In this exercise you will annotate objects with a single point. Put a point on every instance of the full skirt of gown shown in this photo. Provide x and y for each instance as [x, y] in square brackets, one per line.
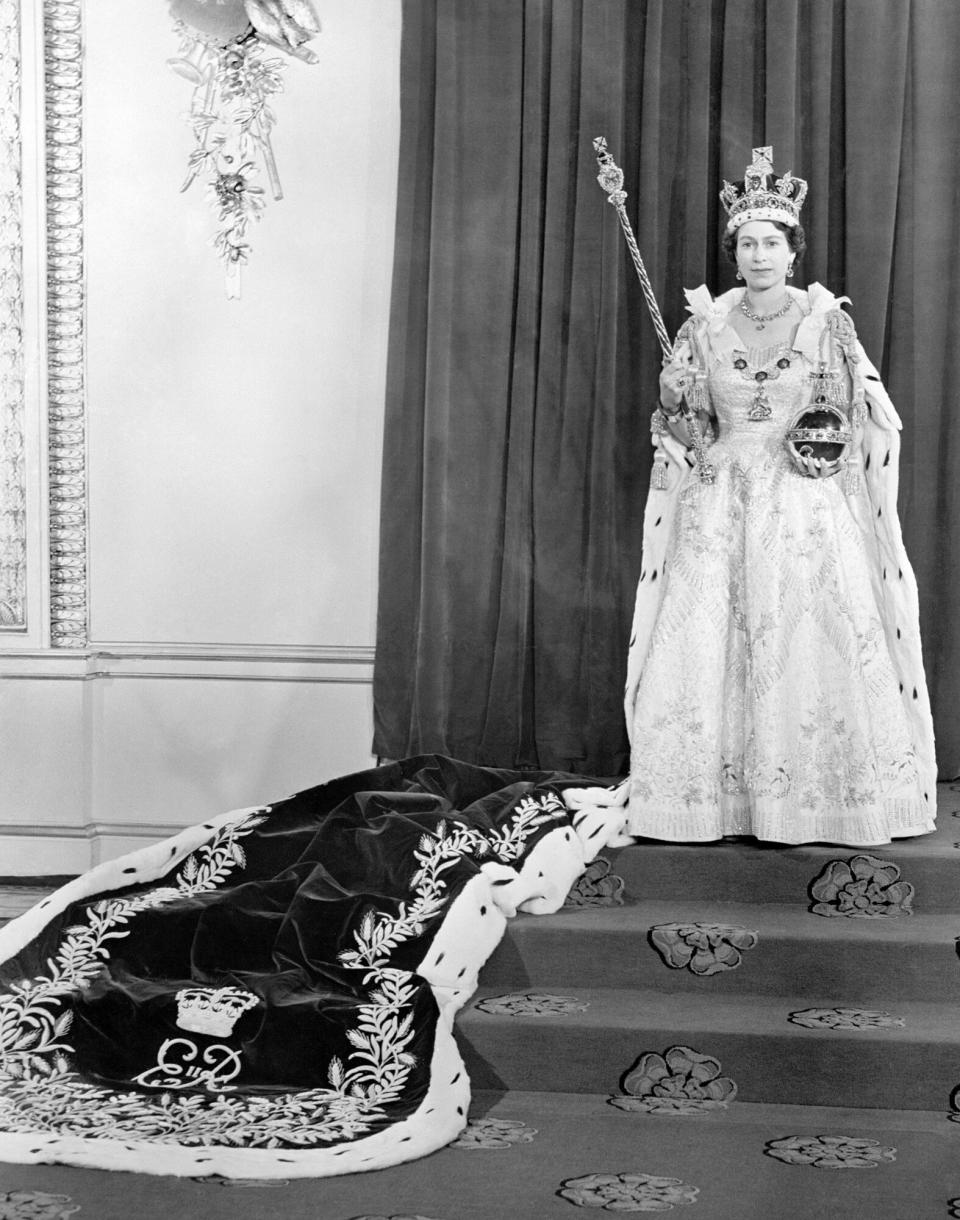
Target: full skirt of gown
[768, 703]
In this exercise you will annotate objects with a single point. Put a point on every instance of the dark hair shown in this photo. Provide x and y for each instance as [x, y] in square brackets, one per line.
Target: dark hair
[796, 240]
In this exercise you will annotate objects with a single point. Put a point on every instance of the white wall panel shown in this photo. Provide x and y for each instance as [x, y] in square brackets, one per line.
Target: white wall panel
[44, 775]
[234, 446]
[177, 750]
[232, 452]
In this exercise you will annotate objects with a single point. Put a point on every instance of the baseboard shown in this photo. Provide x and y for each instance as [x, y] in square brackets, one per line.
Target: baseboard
[30, 851]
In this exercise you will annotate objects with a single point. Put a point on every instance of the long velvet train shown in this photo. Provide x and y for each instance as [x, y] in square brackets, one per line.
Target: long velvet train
[272, 993]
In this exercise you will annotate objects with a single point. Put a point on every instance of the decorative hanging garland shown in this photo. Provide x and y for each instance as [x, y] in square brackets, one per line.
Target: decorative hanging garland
[224, 54]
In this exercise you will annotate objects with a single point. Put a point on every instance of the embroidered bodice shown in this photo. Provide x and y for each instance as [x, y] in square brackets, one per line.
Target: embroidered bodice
[756, 394]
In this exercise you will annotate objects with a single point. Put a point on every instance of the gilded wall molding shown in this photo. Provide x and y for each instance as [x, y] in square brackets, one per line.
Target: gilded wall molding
[67, 458]
[13, 515]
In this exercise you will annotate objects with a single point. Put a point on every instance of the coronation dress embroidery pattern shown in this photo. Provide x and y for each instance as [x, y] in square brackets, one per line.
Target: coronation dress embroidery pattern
[769, 613]
[39, 1091]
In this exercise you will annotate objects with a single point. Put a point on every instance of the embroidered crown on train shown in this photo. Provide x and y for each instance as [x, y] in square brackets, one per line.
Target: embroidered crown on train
[762, 195]
[212, 1010]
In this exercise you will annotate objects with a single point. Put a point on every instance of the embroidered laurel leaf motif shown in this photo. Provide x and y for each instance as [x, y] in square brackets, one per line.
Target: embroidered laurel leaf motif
[509, 843]
[861, 887]
[63, 1023]
[374, 1076]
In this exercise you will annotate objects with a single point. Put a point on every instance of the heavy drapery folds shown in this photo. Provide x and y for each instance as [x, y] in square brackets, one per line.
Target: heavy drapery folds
[523, 368]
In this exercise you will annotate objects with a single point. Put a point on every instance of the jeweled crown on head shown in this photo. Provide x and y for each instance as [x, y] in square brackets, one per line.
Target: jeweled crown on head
[762, 195]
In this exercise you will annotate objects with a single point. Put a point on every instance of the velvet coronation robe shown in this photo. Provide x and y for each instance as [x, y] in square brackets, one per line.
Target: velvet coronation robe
[775, 683]
[271, 994]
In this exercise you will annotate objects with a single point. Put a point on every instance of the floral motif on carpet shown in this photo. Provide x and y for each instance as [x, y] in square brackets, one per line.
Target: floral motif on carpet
[405, 1216]
[845, 1018]
[702, 948]
[34, 1205]
[954, 1115]
[628, 1192]
[597, 886]
[494, 1133]
[830, 1151]
[861, 887]
[680, 1081]
[242, 1183]
[531, 1004]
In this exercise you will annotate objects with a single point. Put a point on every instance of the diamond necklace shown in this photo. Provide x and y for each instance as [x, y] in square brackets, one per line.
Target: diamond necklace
[762, 319]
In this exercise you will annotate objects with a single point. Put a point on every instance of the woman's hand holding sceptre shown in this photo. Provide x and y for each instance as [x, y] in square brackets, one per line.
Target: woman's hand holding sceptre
[673, 380]
[611, 179]
[677, 381]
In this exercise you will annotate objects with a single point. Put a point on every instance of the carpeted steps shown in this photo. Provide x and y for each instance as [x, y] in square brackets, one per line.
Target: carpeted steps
[770, 1059]
[740, 870]
[718, 1162]
[544, 1136]
[817, 958]
[898, 971]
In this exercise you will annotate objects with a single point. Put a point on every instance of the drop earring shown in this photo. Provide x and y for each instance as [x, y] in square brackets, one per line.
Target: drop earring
[739, 275]
[790, 272]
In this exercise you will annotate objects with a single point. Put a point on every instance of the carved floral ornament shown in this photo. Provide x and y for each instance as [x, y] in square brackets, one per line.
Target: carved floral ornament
[225, 53]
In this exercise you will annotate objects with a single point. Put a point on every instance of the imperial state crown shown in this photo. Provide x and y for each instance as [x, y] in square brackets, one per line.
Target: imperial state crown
[763, 196]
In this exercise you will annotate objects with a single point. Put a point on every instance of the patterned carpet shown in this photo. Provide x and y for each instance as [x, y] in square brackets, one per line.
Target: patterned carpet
[703, 1031]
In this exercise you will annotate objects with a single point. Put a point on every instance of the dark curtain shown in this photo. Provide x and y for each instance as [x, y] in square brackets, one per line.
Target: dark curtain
[522, 365]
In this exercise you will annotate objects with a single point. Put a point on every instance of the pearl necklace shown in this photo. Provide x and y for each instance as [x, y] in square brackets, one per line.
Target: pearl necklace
[762, 319]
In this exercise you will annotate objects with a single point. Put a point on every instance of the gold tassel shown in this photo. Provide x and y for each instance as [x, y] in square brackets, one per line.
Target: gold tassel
[659, 479]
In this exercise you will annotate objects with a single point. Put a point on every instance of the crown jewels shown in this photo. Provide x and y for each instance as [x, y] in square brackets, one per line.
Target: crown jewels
[762, 196]
[210, 1010]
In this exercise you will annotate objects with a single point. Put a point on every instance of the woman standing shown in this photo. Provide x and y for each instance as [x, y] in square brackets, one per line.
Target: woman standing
[775, 684]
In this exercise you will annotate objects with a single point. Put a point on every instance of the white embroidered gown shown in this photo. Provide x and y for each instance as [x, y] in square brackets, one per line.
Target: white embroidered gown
[768, 703]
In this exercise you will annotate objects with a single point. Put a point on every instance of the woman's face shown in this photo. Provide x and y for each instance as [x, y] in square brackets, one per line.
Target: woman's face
[763, 255]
